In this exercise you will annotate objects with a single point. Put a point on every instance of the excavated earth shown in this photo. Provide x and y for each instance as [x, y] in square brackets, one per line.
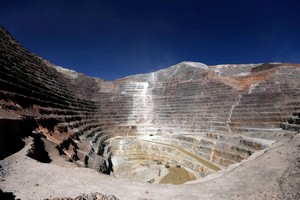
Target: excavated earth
[190, 131]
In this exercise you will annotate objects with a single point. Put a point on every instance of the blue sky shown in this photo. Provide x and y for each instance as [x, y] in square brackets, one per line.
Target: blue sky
[111, 39]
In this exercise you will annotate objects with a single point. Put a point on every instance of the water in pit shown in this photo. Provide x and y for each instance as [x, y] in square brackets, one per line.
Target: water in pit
[177, 176]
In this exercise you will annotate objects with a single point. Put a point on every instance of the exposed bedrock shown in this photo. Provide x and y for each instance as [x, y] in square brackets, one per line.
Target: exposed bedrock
[190, 117]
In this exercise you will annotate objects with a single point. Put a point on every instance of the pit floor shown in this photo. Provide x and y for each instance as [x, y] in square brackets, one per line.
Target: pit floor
[150, 171]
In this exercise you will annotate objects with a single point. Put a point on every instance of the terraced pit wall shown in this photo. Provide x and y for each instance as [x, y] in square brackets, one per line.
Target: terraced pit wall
[203, 118]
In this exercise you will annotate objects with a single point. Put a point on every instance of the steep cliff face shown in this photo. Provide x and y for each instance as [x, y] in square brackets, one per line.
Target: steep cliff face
[193, 116]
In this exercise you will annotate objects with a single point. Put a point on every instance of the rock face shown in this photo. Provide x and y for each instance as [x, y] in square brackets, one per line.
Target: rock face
[193, 116]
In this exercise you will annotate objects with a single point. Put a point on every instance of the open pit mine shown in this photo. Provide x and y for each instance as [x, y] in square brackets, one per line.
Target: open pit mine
[190, 131]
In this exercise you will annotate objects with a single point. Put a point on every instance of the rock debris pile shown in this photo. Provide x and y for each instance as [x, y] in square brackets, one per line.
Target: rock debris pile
[93, 196]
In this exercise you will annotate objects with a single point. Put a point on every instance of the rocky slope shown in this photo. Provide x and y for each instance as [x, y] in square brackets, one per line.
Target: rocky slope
[170, 126]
